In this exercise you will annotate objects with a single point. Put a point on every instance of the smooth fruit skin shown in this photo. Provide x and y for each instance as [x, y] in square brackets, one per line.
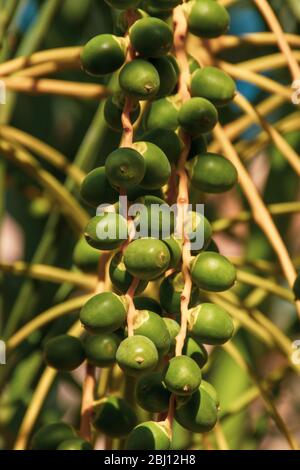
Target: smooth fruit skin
[214, 85]
[212, 173]
[49, 437]
[167, 76]
[121, 278]
[104, 313]
[158, 168]
[182, 375]
[152, 326]
[75, 444]
[198, 230]
[167, 140]
[85, 257]
[114, 417]
[106, 231]
[139, 79]
[174, 329]
[100, 350]
[103, 54]
[125, 168]
[137, 355]
[213, 272]
[149, 436]
[153, 217]
[196, 351]
[113, 114]
[64, 352]
[147, 258]
[207, 19]
[147, 303]
[170, 293]
[210, 324]
[151, 37]
[198, 116]
[199, 414]
[163, 113]
[175, 248]
[212, 392]
[96, 189]
[151, 393]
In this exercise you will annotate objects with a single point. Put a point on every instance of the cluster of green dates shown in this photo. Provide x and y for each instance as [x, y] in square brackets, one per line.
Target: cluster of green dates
[142, 172]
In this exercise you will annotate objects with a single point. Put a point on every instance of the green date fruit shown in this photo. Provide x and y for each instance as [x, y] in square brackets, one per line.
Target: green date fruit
[151, 393]
[139, 79]
[198, 230]
[113, 114]
[114, 417]
[64, 352]
[149, 436]
[137, 355]
[103, 54]
[212, 392]
[104, 313]
[214, 85]
[49, 437]
[147, 258]
[207, 18]
[96, 189]
[167, 140]
[182, 375]
[121, 278]
[199, 414]
[106, 231]
[158, 168]
[212, 173]
[175, 248]
[210, 324]
[195, 350]
[198, 116]
[213, 272]
[125, 168]
[147, 303]
[153, 217]
[75, 444]
[151, 37]
[174, 329]
[152, 326]
[170, 293]
[163, 113]
[100, 350]
[85, 257]
[167, 76]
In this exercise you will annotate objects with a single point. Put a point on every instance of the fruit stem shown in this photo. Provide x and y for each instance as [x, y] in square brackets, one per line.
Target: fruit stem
[180, 35]
[131, 309]
[128, 130]
[87, 402]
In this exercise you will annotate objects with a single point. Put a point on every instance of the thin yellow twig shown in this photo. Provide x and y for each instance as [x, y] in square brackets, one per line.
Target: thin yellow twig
[270, 17]
[55, 87]
[283, 146]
